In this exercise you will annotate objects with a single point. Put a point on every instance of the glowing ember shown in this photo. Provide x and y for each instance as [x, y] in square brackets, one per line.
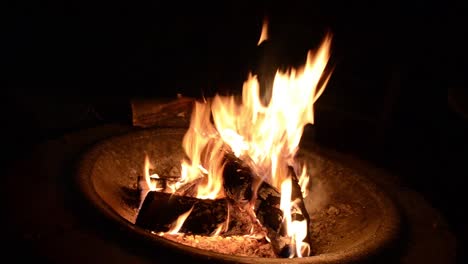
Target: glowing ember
[264, 136]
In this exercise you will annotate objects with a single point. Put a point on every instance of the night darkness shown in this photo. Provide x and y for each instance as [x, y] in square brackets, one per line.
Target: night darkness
[70, 65]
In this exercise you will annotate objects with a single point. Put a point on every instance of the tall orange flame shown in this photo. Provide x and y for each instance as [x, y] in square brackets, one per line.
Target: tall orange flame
[265, 135]
[270, 134]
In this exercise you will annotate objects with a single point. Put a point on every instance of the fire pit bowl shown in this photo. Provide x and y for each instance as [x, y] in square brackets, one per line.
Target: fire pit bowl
[352, 219]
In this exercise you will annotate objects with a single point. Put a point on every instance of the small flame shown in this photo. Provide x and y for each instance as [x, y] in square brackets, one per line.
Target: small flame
[285, 203]
[179, 222]
[264, 34]
[147, 184]
[223, 227]
[304, 182]
[152, 185]
[218, 230]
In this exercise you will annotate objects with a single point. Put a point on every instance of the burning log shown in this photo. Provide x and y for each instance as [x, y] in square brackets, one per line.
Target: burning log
[240, 187]
[240, 183]
[160, 212]
[273, 219]
[238, 180]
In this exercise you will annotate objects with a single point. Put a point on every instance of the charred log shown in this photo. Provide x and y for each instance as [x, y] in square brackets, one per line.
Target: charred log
[240, 185]
[267, 207]
[271, 216]
[238, 180]
[160, 210]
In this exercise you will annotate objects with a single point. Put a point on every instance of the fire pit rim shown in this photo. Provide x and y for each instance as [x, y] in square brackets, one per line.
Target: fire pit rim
[388, 232]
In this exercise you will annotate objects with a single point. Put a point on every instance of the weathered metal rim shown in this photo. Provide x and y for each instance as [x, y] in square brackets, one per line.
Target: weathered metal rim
[385, 235]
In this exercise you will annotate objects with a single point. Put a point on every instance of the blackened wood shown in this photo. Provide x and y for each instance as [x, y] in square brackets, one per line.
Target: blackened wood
[238, 179]
[160, 210]
[240, 187]
[240, 183]
[267, 207]
[271, 217]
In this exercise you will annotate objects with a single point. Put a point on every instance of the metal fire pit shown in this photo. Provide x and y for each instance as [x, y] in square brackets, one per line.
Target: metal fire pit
[352, 219]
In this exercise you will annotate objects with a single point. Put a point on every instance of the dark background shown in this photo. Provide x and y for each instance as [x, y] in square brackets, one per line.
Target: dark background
[70, 65]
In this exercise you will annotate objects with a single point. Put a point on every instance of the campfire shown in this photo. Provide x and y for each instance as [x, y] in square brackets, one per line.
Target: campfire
[237, 183]
[240, 189]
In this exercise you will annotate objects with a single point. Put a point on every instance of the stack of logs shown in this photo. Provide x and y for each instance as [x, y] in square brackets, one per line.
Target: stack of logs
[242, 188]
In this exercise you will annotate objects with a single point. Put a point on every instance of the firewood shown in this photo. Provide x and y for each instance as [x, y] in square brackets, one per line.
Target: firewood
[165, 112]
[267, 207]
[238, 179]
[160, 210]
[270, 215]
[239, 186]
